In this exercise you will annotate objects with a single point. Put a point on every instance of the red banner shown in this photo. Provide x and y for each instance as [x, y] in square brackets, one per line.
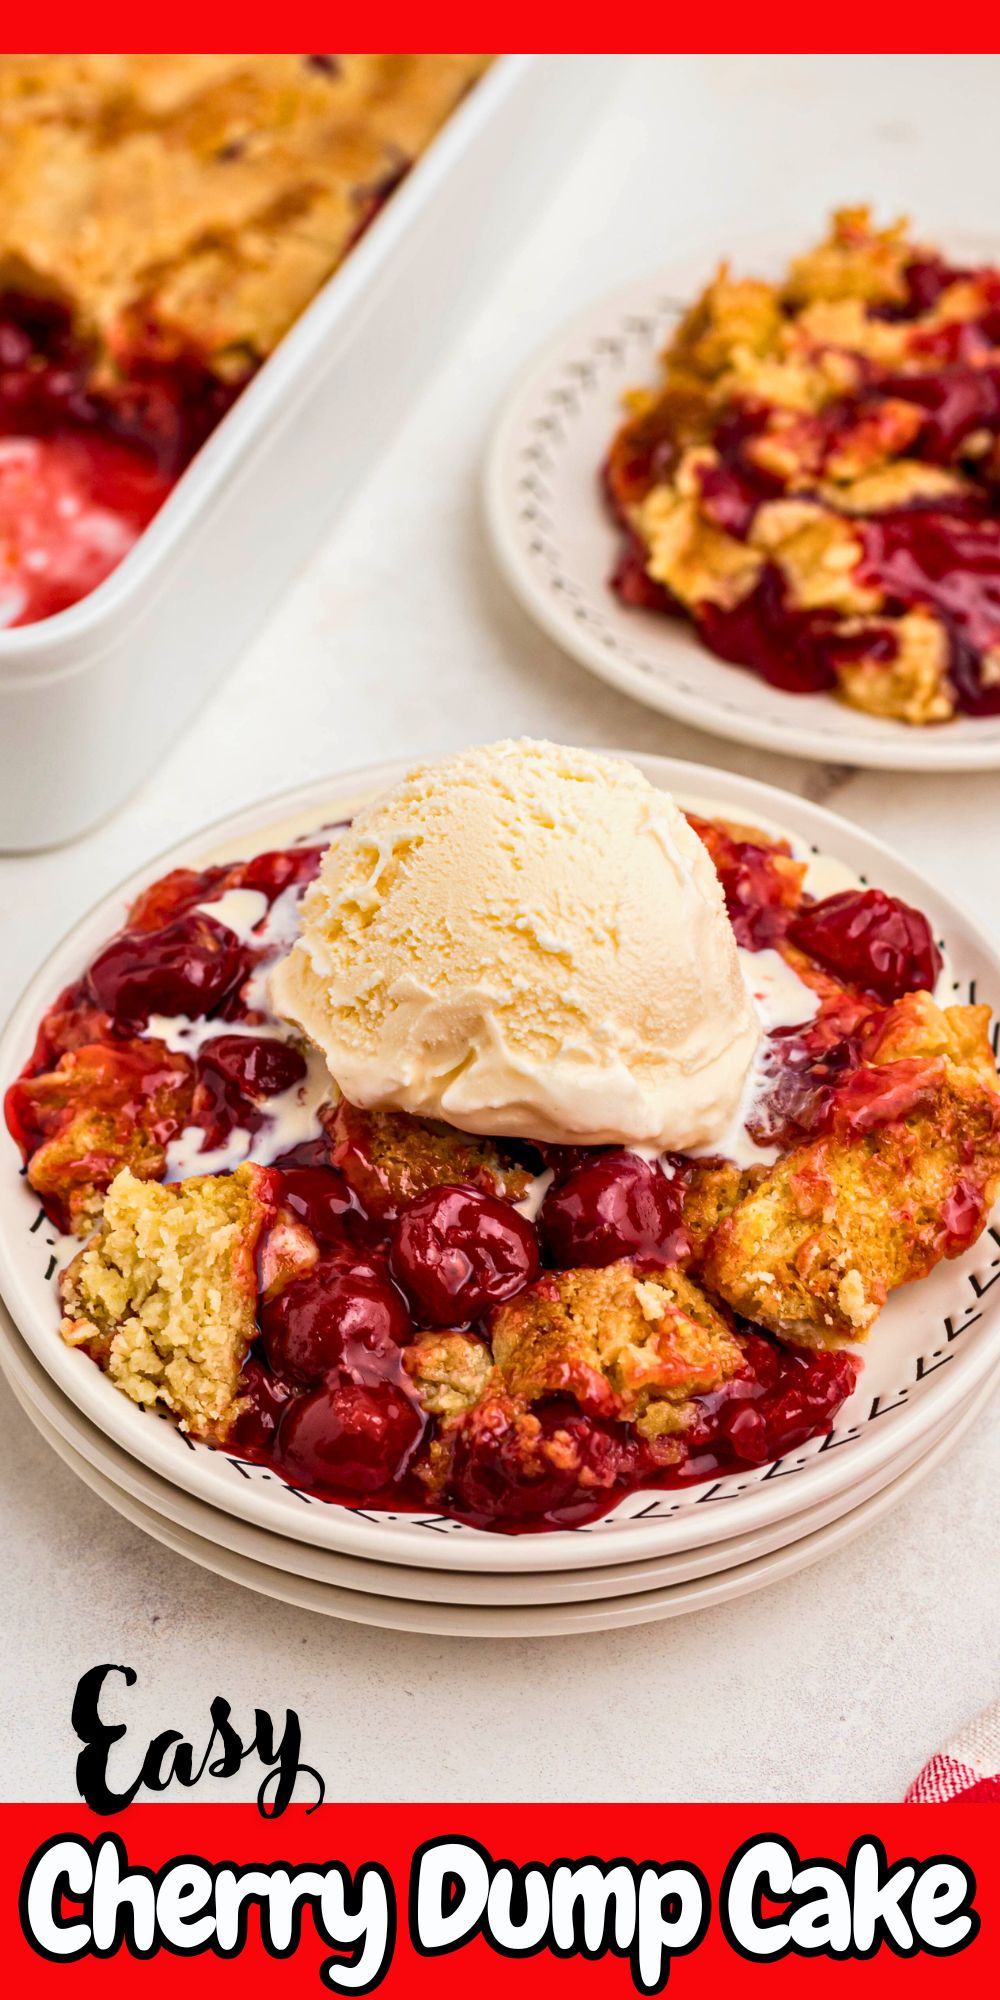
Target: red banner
[453, 26]
[831, 1894]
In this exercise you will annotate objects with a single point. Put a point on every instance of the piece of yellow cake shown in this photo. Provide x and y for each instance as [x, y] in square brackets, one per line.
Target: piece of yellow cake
[164, 1297]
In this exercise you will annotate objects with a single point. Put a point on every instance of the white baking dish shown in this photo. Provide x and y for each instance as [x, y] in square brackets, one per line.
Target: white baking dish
[90, 698]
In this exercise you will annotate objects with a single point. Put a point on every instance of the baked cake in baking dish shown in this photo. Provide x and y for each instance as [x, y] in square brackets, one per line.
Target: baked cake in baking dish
[163, 221]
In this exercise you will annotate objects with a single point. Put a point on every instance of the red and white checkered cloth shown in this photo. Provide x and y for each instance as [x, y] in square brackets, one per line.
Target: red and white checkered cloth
[966, 1772]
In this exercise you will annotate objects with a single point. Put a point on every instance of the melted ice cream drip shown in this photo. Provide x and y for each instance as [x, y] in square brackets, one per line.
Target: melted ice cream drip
[278, 934]
[781, 1000]
[531, 1201]
[287, 1120]
[187, 1154]
[241, 910]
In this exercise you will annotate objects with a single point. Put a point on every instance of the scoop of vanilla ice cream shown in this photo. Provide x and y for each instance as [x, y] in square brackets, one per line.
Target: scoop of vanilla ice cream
[526, 941]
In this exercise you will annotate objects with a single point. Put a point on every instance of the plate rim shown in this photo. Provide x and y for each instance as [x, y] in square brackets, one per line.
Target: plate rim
[39, 1397]
[524, 1621]
[350, 1531]
[832, 738]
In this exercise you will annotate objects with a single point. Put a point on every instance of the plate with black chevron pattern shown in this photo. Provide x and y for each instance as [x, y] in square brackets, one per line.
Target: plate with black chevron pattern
[932, 1346]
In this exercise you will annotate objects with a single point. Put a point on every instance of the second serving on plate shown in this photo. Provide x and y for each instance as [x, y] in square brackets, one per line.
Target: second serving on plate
[768, 505]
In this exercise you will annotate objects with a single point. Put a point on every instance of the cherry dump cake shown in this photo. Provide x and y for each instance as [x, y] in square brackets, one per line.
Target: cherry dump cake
[163, 220]
[396, 1312]
[815, 480]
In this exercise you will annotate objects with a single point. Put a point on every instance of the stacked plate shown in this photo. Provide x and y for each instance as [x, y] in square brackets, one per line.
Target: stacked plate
[931, 1365]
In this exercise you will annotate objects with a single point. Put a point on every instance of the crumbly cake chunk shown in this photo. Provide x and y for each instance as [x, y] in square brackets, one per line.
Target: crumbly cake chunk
[624, 1341]
[389, 1158]
[503, 1460]
[917, 1026]
[450, 1371]
[164, 1296]
[197, 202]
[855, 262]
[912, 684]
[103, 1107]
[905, 1176]
[713, 1188]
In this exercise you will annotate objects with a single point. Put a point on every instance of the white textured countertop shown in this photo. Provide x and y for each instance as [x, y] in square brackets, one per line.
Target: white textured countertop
[397, 640]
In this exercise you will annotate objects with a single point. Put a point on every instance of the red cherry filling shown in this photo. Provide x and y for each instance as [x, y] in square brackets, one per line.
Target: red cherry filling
[948, 561]
[959, 400]
[762, 885]
[72, 504]
[104, 1106]
[873, 940]
[349, 1437]
[456, 1252]
[802, 1067]
[320, 1197]
[265, 1399]
[338, 1316]
[616, 1205]
[963, 1214]
[561, 1466]
[568, 1474]
[631, 581]
[255, 1065]
[186, 968]
[83, 469]
[278, 869]
[763, 632]
[879, 1094]
[179, 893]
[926, 279]
[785, 1396]
[731, 494]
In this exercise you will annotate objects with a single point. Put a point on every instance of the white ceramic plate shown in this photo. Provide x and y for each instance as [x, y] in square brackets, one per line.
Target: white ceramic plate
[934, 1344]
[485, 1621]
[54, 1414]
[556, 543]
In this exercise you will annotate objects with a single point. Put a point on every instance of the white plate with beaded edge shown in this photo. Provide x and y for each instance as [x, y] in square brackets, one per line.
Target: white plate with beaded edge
[53, 1413]
[556, 543]
[538, 1621]
[933, 1345]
